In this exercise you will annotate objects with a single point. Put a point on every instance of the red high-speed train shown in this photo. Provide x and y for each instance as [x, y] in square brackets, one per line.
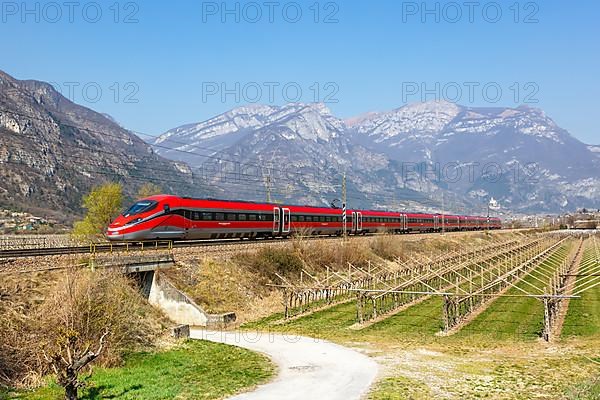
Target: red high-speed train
[182, 218]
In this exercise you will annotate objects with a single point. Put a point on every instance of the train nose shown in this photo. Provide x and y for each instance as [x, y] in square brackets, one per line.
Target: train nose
[114, 235]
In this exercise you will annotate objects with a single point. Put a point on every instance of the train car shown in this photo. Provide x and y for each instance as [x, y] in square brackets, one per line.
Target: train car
[176, 218]
[377, 222]
[495, 223]
[422, 222]
[181, 218]
[306, 220]
[450, 223]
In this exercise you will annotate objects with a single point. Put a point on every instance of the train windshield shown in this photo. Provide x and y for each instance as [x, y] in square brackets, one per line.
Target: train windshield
[140, 207]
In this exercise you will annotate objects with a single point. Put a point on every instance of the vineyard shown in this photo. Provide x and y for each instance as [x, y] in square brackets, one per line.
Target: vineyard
[534, 286]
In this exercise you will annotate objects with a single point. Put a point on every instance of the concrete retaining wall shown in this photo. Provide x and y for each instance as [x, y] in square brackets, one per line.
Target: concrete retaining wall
[180, 308]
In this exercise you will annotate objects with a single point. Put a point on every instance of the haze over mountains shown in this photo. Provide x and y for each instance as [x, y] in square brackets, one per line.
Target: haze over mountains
[434, 155]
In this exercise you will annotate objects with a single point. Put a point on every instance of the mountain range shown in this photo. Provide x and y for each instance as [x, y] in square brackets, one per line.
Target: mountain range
[53, 151]
[434, 156]
[431, 155]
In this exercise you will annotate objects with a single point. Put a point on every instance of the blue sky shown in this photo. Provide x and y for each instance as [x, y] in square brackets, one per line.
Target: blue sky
[159, 65]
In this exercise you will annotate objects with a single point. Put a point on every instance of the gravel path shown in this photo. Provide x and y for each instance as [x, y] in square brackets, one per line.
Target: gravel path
[308, 368]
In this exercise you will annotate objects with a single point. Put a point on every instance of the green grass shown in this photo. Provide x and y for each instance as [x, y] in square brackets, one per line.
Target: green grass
[583, 316]
[513, 318]
[507, 318]
[400, 388]
[585, 391]
[496, 356]
[194, 370]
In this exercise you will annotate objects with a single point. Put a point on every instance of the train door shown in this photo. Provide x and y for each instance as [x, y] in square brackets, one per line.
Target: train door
[276, 221]
[353, 230]
[187, 223]
[436, 222]
[286, 220]
[404, 224]
[359, 222]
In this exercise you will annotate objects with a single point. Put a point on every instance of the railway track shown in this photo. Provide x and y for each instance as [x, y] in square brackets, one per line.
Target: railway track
[136, 246]
[119, 247]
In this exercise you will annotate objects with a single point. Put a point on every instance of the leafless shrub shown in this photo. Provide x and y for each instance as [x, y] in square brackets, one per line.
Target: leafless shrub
[84, 316]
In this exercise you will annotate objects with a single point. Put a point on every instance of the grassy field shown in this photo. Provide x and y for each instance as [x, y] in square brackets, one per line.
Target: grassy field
[194, 370]
[516, 318]
[496, 356]
[583, 317]
[507, 318]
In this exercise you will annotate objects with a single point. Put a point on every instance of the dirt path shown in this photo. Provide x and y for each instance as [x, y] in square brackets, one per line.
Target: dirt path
[308, 368]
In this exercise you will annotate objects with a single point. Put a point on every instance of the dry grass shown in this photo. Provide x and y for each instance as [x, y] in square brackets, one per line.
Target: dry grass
[219, 286]
[240, 283]
[35, 307]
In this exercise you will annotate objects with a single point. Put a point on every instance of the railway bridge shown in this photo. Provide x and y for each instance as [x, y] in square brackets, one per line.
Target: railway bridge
[146, 263]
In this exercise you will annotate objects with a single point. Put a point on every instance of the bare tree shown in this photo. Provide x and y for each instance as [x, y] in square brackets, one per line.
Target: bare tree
[91, 316]
[68, 360]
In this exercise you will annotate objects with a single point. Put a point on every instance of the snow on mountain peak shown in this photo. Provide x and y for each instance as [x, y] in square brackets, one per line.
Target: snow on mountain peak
[419, 118]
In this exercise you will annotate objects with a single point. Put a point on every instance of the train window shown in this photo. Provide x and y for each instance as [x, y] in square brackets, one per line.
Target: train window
[231, 217]
[301, 218]
[294, 218]
[262, 217]
[140, 207]
[207, 216]
[196, 216]
[242, 217]
[309, 218]
[252, 217]
[219, 216]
